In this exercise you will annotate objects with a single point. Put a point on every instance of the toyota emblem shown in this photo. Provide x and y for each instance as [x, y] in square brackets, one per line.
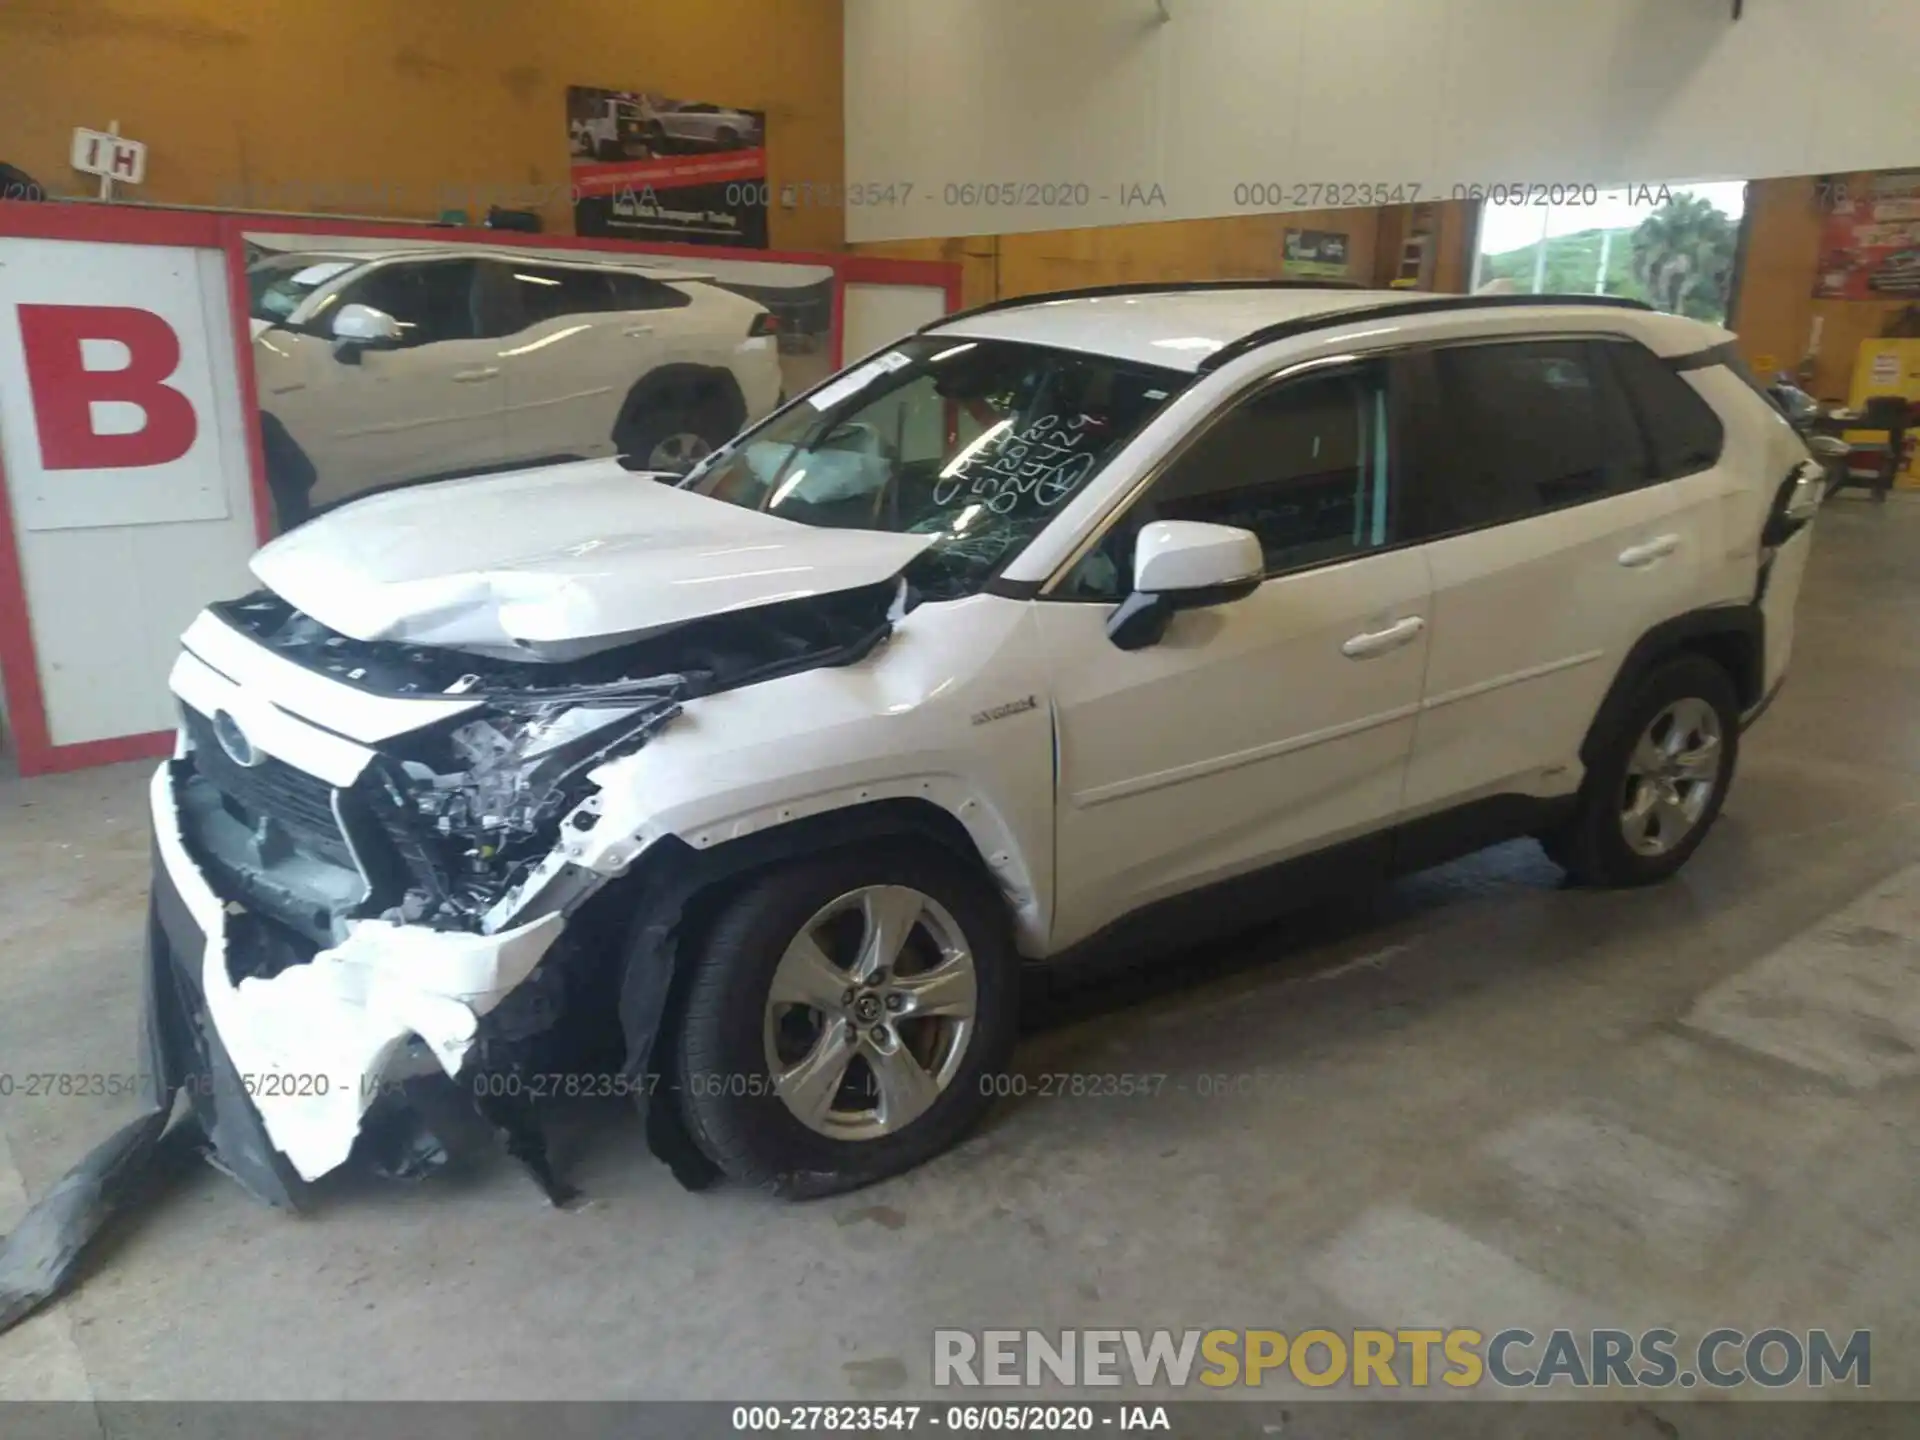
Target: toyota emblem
[234, 740]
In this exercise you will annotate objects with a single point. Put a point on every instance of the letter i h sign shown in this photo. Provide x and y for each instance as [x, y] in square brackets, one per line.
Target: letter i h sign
[106, 154]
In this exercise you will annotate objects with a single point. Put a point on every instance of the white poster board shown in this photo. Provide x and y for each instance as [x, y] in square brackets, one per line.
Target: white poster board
[108, 360]
[128, 480]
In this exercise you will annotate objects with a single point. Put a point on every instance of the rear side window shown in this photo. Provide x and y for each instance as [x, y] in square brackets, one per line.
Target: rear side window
[542, 292]
[1525, 427]
[1684, 435]
[639, 292]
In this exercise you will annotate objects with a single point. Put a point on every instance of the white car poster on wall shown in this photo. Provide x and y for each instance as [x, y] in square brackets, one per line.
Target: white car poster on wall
[384, 362]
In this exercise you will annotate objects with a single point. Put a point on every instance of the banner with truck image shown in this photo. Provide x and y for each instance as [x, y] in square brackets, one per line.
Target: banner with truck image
[646, 167]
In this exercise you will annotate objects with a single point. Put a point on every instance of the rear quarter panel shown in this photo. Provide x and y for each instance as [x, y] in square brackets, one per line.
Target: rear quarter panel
[1762, 450]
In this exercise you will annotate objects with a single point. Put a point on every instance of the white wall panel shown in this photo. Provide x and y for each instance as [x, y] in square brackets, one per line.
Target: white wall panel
[1433, 92]
[877, 315]
[156, 280]
[135, 551]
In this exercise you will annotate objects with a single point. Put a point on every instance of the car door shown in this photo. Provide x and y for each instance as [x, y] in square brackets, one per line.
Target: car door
[428, 406]
[1558, 539]
[1266, 728]
[567, 360]
[654, 324]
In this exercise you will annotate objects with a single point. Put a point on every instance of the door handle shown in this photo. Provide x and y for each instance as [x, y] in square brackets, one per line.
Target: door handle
[1636, 557]
[634, 332]
[1378, 642]
[485, 372]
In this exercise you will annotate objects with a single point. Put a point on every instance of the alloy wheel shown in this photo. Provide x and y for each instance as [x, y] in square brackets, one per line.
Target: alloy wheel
[1671, 777]
[870, 1012]
[678, 452]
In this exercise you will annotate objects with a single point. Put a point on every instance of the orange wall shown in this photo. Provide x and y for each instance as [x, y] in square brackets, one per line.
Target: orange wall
[1775, 310]
[1236, 247]
[404, 107]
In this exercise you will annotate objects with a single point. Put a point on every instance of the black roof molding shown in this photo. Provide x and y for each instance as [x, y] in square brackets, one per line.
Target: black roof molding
[1428, 305]
[1162, 287]
[1415, 304]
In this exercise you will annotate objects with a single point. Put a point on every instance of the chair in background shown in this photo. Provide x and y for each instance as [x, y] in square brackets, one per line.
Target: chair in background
[1892, 416]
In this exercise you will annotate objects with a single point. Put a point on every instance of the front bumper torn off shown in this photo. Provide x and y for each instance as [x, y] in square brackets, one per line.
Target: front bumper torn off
[308, 1050]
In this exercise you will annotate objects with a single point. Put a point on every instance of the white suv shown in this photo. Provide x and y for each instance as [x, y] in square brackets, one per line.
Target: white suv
[1112, 618]
[377, 369]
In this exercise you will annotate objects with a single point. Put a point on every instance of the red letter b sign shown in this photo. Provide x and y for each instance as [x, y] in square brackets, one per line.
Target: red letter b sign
[65, 390]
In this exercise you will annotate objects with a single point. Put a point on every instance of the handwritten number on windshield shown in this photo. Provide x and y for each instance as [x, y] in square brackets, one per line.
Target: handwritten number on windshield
[1043, 462]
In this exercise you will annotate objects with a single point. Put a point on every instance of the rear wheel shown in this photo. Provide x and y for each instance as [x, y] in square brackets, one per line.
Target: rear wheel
[1659, 781]
[845, 1018]
[671, 435]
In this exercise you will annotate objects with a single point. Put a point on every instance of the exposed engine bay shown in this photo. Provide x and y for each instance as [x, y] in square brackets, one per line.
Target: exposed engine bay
[448, 819]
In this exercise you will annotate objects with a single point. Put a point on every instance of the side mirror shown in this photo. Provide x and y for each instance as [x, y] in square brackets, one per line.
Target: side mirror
[1184, 565]
[364, 326]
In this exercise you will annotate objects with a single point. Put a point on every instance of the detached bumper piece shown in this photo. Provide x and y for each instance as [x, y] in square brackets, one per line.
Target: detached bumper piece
[38, 1259]
[286, 1066]
[184, 1052]
[181, 1052]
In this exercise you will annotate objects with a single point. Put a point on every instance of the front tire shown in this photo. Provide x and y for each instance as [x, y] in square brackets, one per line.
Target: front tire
[1657, 785]
[845, 1019]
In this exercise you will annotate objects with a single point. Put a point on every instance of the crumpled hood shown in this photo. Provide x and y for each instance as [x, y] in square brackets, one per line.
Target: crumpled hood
[557, 562]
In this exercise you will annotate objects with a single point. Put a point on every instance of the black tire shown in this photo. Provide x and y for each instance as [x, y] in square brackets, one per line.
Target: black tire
[608, 150]
[721, 1066]
[1592, 847]
[646, 422]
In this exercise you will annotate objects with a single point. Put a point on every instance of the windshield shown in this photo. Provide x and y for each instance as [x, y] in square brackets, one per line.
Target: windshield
[975, 442]
[276, 287]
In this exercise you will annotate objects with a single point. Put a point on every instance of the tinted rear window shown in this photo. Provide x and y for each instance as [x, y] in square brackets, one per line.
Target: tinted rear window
[1683, 433]
[1531, 426]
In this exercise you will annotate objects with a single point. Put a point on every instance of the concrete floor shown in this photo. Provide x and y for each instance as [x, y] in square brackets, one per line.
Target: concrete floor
[1486, 1100]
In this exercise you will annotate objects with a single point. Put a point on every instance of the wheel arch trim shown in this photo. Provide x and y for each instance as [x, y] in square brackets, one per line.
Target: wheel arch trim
[1734, 635]
[941, 807]
[678, 376]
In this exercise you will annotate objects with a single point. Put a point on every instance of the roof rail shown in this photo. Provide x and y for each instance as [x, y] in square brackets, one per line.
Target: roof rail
[1162, 287]
[1427, 305]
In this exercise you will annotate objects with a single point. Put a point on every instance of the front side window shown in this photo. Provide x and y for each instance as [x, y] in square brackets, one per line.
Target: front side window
[978, 443]
[433, 300]
[1524, 427]
[279, 286]
[1304, 465]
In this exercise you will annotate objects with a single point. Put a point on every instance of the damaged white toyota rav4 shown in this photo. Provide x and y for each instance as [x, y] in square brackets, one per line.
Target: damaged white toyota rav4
[1114, 617]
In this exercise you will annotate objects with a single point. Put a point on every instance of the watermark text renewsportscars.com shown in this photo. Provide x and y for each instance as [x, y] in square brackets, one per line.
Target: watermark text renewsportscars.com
[1415, 1358]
